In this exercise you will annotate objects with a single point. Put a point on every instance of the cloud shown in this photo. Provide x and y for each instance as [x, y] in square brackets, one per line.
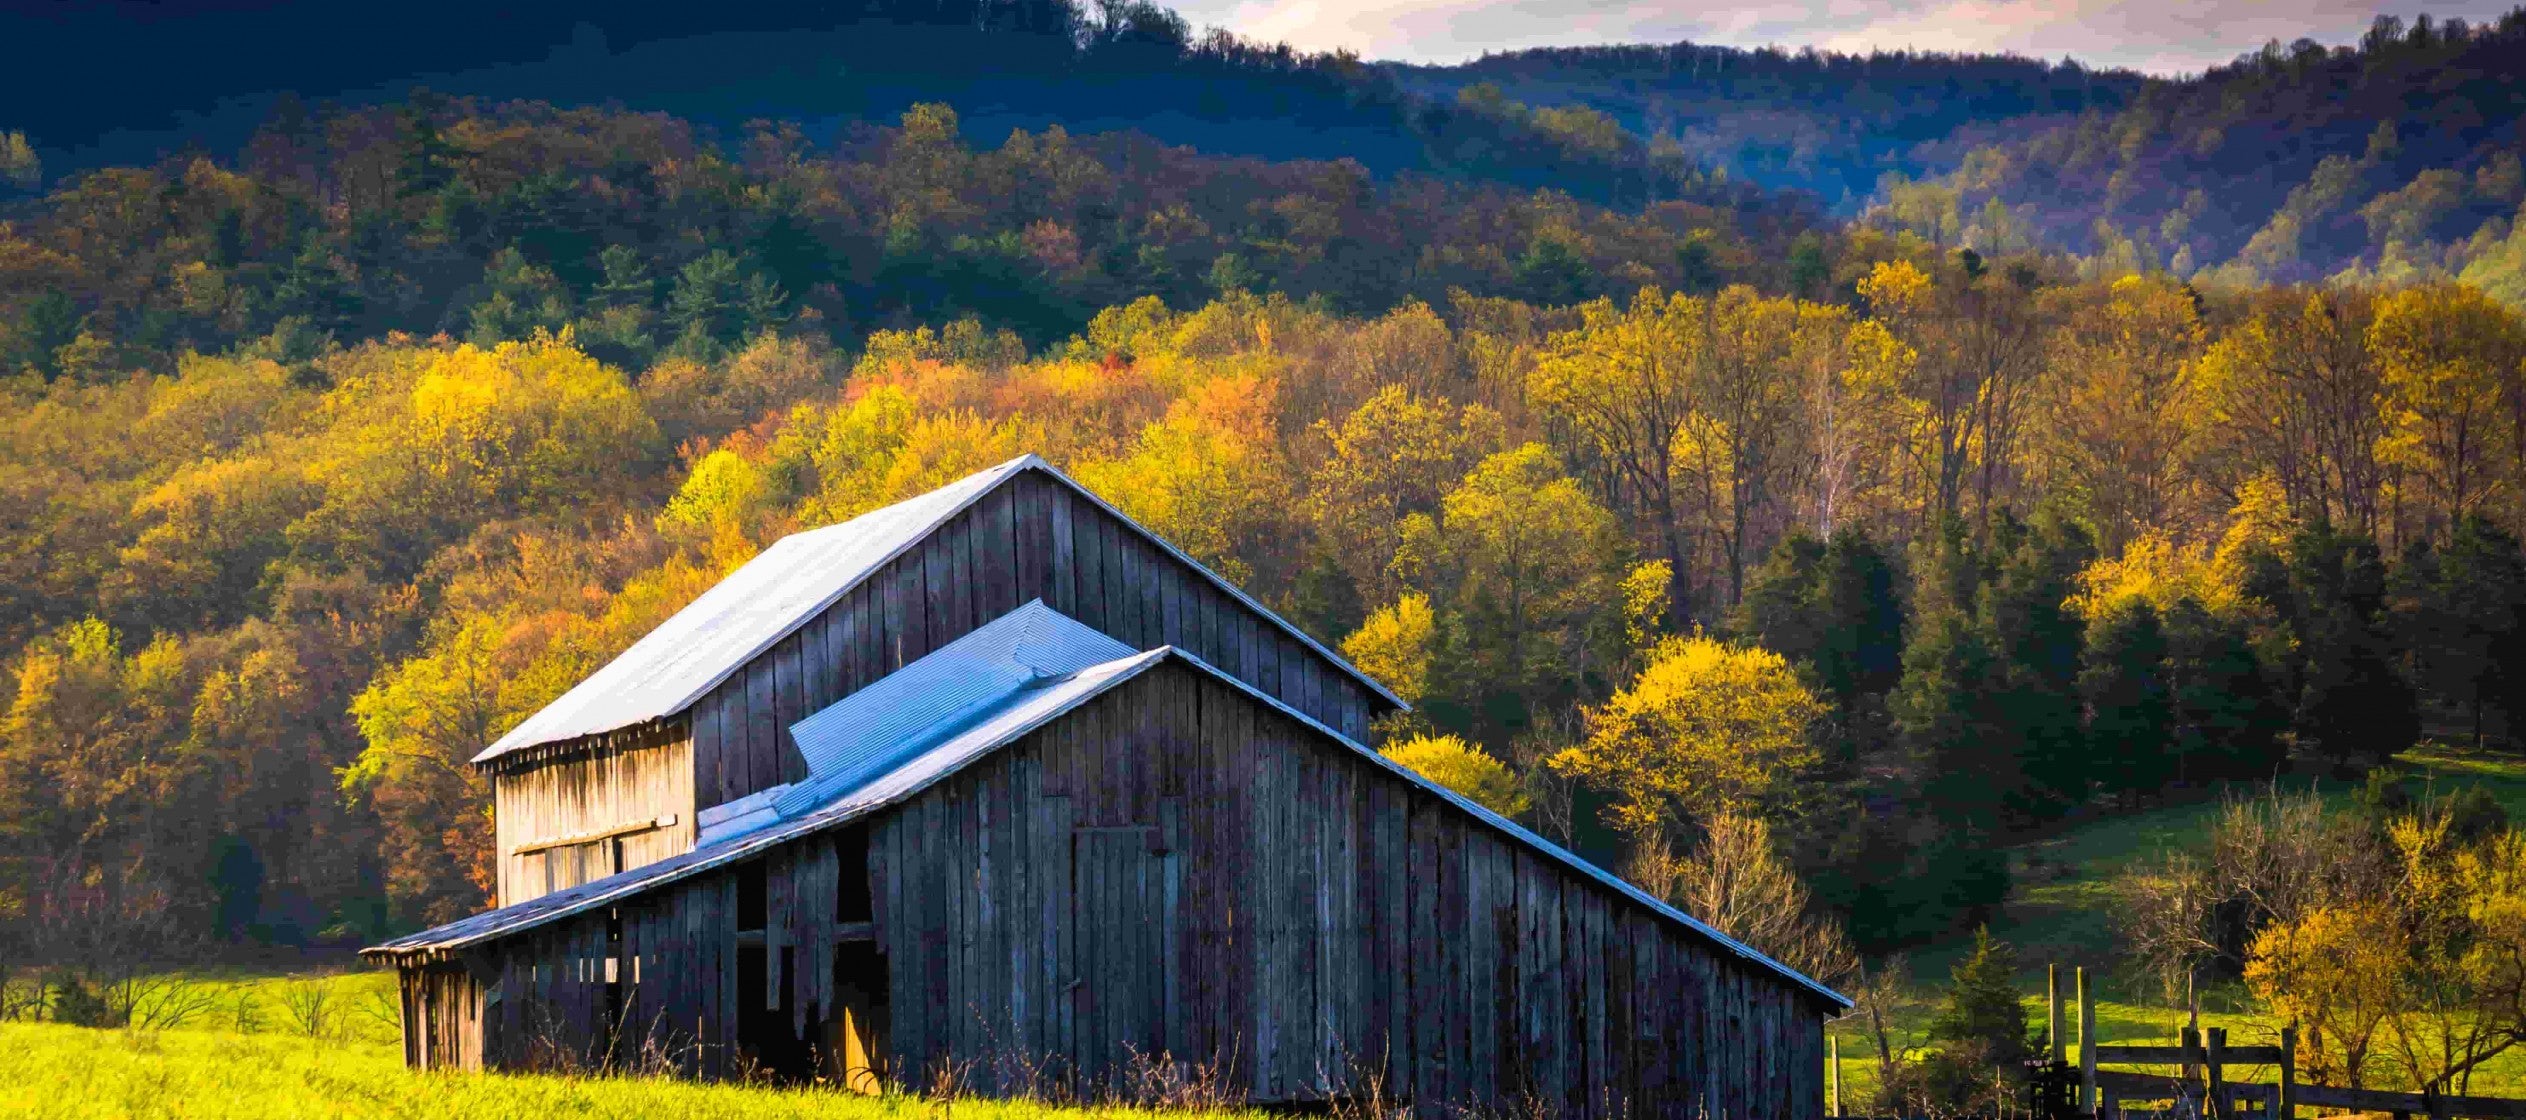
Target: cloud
[2160, 36]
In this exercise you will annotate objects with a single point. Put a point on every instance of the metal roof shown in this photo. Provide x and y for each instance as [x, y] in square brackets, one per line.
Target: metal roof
[961, 702]
[762, 602]
[877, 729]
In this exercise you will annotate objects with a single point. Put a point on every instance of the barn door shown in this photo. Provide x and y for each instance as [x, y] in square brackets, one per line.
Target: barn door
[1122, 907]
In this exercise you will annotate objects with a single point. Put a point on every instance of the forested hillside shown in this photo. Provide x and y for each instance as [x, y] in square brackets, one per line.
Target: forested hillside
[1831, 125]
[2396, 158]
[1704, 534]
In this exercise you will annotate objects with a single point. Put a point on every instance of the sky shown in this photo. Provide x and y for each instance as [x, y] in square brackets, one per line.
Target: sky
[2158, 36]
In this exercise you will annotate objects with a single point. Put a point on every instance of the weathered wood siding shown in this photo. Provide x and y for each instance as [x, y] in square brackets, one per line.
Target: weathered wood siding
[1177, 869]
[1032, 538]
[442, 1018]
[614, 792]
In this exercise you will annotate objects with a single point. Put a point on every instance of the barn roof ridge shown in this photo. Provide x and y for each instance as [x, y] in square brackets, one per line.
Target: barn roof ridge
[754, 608]
[991, 707]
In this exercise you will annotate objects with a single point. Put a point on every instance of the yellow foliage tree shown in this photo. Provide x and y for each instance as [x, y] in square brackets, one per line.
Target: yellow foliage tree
[1397, 645]
[2335, 972]
[1460, 766]
[1707, 728]
[2451, 363]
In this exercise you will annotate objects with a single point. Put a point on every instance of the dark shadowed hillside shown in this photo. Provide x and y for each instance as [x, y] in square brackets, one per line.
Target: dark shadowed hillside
[1002, 63]
[1831, 124]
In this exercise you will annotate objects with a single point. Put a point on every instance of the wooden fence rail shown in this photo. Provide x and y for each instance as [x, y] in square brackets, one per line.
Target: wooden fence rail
[2199, 1088]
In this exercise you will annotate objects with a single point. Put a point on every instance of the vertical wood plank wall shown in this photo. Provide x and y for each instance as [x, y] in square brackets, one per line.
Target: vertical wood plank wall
[1307, 918]
[1031, 538]
[641, 773]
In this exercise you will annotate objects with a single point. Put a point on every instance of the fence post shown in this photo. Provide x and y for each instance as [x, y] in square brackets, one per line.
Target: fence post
[2188, 1075]
[2052, 1000]
[1833, 1046]
[2288, 1104]
[2087, 1047]
[2215, 1091]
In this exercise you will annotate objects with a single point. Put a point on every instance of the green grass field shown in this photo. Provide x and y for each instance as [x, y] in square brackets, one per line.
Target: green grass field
[77, 1073]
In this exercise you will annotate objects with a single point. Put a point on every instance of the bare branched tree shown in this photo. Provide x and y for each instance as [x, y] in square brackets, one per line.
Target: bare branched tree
[1737, 881]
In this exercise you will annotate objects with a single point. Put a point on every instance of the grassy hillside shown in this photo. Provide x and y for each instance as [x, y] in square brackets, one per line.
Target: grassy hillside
[2062, 913]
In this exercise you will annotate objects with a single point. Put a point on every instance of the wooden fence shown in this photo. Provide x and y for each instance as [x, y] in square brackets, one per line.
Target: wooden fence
[2197, 1081]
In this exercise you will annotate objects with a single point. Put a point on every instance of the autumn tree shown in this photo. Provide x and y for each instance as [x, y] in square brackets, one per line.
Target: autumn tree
[1743, 437]
[1706, 729]
[2295, 393]
[1526, 563]
[1394, 456]
[1624, 382]
[2449, 361]
[2124, 412]
[1463, 768]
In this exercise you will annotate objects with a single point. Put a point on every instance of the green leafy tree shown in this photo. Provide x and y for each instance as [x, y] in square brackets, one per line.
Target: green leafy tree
[48, 322]
[1554, 274]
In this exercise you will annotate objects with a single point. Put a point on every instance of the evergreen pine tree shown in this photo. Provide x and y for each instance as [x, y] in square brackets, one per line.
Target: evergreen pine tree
[1860, 651]
[2350, 703]
[2039, 640]
[2227, 719]
[2130, 719]
[2457, 612]
[1982, 1011]
[521, 299]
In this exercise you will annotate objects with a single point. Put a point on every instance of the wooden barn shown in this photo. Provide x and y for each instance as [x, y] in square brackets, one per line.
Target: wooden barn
[995, 783]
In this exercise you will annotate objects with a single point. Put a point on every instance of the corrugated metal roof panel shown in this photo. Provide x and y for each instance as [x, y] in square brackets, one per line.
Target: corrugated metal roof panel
[748, 612]
[873, 730]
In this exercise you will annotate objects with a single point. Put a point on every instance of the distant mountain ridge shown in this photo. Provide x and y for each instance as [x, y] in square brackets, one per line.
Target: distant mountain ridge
[2393, 159]
[1825, 123]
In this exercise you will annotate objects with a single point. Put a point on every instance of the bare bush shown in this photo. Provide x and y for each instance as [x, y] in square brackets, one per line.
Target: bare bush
[2271, 858]
[381, 1011]
[160, 1001]
[245, 1010]
[1163, 1081]
[308, 1006]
